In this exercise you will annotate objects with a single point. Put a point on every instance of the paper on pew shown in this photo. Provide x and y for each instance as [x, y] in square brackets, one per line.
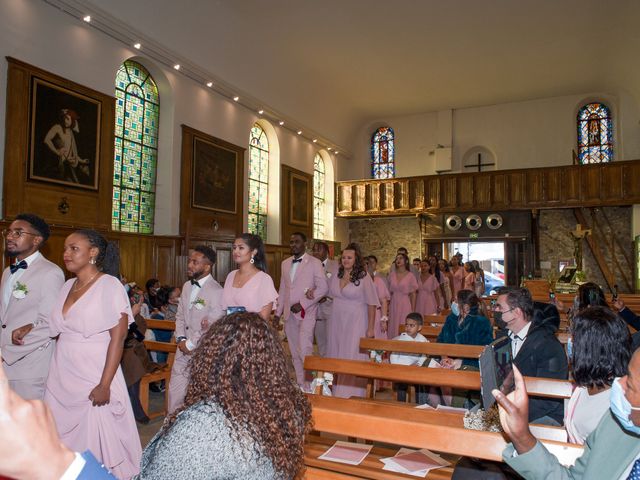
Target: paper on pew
[417, 463]
[434, 364]
[445, 408]
[346, 452]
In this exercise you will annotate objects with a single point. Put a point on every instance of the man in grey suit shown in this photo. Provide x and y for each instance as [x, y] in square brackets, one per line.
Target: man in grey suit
[611, 451]
[29, 288]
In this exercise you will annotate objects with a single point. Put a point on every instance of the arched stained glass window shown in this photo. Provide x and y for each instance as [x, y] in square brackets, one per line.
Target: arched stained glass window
[258, 181]
[595, 134]
[383, 153]
[136, 149]
[319, 204]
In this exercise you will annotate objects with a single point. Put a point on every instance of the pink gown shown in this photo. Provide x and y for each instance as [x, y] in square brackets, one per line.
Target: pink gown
[348, 324]
[469, 282]
[108, 431]
[426, 303]
[458, 280]
[400, 302]
[253, 295]
[383, 294]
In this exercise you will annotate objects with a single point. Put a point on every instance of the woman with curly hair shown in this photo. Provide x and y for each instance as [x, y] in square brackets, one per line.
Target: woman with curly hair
[243, 417]
[354, 311]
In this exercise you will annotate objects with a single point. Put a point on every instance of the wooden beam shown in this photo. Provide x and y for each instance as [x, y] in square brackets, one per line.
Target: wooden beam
[594, 246]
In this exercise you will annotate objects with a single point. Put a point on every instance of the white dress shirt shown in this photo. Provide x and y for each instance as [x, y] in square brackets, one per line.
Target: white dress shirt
[294, 266]
[14, 277]
[408, 358]
[517, 339]
[195, 289]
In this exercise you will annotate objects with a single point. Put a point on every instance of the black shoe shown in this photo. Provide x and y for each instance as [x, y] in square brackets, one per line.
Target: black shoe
[144, 420]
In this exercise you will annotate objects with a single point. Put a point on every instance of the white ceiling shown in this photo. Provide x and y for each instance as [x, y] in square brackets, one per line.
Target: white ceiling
[333, 65]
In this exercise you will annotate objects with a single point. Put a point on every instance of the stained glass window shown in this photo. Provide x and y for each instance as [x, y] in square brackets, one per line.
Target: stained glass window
[136, 149]
[595, 134]
[318, 197]
[258, 181]
[383, 153]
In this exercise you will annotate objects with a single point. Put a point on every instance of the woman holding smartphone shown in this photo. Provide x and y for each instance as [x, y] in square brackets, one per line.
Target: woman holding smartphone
[249, 288]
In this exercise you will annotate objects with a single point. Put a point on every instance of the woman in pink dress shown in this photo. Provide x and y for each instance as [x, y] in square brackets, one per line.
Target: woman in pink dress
[428, 287]
[447, 281]
[86, 390]
[458, 273]
[469, 277]
[354, 308]
[403, 286]
[249, 286]
[381, 327]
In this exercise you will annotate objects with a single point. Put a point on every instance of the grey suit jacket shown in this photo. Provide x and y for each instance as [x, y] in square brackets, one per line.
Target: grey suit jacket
[43, 280]
[608, 451]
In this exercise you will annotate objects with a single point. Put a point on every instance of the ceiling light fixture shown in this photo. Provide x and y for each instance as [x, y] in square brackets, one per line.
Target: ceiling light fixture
[177, 66]
[87, 18]
[281, 122]
[209, 84]
[315, 140]
[236, 98]
[336, 152]
[299, 132]
[260, 112]
[137, 46]
[329, 148]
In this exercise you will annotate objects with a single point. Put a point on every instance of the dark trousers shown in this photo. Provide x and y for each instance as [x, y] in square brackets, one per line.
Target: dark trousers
[421, 393]
[134, 396]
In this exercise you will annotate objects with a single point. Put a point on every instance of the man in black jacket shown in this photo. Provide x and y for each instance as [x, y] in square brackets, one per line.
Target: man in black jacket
[536, 350]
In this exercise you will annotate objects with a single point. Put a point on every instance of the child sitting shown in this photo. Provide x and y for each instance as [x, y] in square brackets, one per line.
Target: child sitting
[412, 325]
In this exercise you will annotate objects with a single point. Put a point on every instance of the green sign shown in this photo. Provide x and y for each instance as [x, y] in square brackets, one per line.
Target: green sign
[474, 236]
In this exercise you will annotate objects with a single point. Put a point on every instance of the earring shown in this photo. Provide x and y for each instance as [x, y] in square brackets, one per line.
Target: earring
[252, 261]
[92, 261]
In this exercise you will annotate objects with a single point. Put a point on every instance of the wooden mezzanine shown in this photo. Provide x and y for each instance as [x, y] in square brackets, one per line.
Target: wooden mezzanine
[567, 186]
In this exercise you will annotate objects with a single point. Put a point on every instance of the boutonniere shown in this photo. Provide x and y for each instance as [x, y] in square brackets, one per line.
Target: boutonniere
[199, 303]
[20, 290]
[328, 274]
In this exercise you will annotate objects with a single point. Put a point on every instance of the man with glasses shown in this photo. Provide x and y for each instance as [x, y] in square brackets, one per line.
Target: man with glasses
[29, 288]
[536, 350]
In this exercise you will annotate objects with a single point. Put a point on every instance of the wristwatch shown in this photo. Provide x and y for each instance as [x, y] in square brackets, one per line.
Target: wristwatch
[179, 339]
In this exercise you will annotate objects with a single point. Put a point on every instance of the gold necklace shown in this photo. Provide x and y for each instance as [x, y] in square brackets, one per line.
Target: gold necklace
[77, 289]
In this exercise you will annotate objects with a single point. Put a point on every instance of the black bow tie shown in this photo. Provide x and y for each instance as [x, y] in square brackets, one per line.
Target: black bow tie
[17, 266]
[297, 261]
[195, 282]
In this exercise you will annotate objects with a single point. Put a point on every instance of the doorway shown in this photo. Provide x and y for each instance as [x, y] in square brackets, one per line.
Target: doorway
[490, 255]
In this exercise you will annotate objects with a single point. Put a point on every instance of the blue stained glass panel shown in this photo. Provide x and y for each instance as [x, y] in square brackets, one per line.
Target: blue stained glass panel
[595, 134]
[258, 181]
[383, 153]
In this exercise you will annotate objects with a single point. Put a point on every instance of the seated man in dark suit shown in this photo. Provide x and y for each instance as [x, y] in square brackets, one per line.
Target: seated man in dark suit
[631, 318]
[536, 350]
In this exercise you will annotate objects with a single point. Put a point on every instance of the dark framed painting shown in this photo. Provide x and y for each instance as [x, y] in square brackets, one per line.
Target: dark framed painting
[214, 176]
[64, 136]
[299, 198]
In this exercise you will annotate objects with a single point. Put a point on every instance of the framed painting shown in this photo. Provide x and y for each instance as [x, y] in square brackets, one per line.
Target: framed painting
[299, 198]
[214, 177]
[64, 135]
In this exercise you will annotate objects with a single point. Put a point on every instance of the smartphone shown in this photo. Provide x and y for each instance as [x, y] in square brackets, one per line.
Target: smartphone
[496, 370]
[615, 293]
[238, 309]
[552, 296]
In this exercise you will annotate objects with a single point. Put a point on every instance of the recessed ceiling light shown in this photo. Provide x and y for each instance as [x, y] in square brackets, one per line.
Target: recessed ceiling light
[329, 148]
[87, 18]
[137, 46]
[336, 152]
[281, 122]
[260, 112]
[209, 84]
[177, 66]
[315, 140]
[236, 98]
[299, 132]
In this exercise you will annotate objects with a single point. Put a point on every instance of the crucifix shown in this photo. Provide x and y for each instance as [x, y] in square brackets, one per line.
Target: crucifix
[479, 164]
[577, 235]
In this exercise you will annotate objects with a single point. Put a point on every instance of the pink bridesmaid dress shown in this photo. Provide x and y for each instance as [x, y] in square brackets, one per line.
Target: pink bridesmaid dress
[348, 324]
[383, 294]
[458, 281]
[253, 295]
[426, 303]
[469, 282]
[400, 302]
[108, 431]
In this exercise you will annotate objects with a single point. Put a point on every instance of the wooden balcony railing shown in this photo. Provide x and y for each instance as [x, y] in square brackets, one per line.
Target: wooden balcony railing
[605, 184]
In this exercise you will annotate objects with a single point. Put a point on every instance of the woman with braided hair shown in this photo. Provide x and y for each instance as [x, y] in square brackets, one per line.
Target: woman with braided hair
[243, 417]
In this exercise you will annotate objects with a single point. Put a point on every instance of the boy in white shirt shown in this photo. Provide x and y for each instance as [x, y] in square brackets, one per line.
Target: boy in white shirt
[412, 325]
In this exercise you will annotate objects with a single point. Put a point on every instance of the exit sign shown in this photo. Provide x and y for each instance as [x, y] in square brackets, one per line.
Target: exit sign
[474, 236]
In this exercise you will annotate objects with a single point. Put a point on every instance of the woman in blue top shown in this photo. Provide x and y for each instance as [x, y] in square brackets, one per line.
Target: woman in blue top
[465, 325]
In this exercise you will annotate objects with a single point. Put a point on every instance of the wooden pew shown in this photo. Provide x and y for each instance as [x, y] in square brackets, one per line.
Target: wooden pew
[423, 348]
[360, 419]
[164, 373]
[462, 379]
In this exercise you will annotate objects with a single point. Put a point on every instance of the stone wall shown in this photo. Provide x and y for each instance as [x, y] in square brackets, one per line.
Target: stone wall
[556, 243]
[382, 237]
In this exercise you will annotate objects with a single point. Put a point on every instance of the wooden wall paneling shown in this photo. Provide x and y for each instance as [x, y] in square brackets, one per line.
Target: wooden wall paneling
[359, 198]
[432, 193]
[612, 182]
[214, 224]
[482, 191]
[631, 180]
[535, 187]
[275, 255]
[87, 208]
[571, 186]
[465, 192]
[591, 185]
[288, 224]
[164, 260]
[343, 194]
[500, 193]
[517, 188]
[224, 260]
[372, 200]
[416, 194]
[448, 193]
[386, 196]
[552, 181]
[401, 195]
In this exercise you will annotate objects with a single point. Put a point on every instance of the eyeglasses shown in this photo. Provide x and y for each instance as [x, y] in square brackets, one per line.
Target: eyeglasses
[17, 233]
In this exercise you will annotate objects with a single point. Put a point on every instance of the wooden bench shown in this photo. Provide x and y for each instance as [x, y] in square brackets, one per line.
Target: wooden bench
[379, 423]
[462, 379]
[423, 348]
[164, 373]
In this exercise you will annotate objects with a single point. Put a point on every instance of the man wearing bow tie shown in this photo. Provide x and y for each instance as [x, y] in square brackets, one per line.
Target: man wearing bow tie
[199, 307]
[302, 285]
[30, 286]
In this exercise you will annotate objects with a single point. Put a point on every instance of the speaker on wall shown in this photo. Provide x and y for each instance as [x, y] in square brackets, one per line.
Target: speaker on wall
[494, 221]
[453, 222]
[474, 222]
